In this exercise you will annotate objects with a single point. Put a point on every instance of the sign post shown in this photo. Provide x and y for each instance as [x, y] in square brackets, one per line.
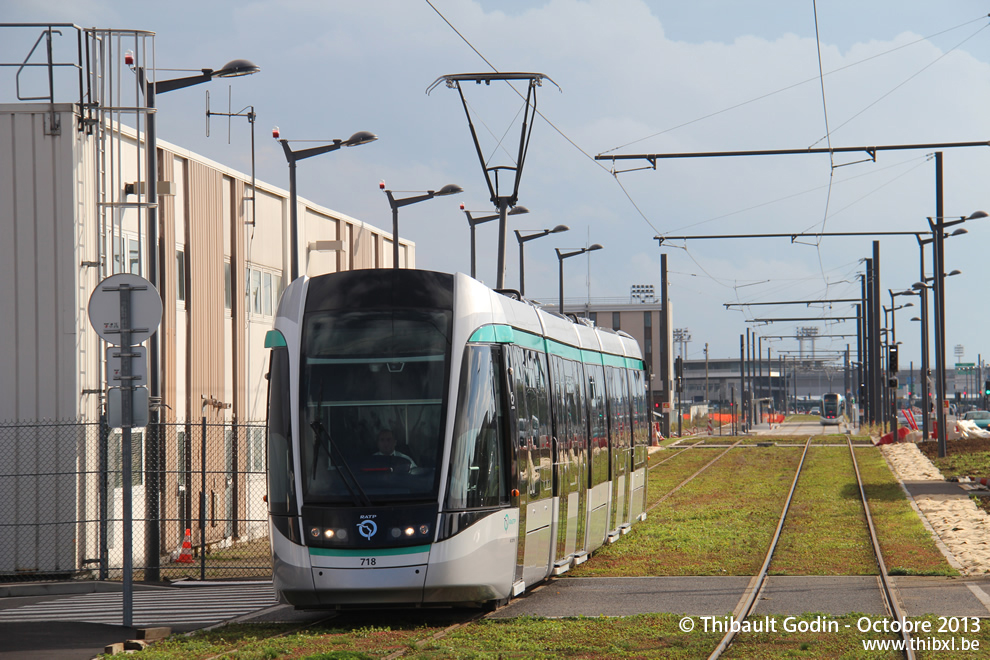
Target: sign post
[125, 310]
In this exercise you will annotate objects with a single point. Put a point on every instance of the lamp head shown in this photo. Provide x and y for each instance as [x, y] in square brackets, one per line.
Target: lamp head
[596, 246]
[236, 68]
[449, 189]
[559, 228]
[361, 137]
[977, 214]
[959, 232]
[954, 272]
[518, 210]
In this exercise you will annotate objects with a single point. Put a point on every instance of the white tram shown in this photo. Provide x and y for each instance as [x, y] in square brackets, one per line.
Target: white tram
[434, 442]
[833, 409]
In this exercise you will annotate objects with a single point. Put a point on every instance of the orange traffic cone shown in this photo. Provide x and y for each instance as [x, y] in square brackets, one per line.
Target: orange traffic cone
[185, 550]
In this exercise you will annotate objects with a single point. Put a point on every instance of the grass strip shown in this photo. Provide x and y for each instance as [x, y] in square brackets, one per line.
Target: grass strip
[908, 548]
[813, 636]
[825, 532]
[718, 524]
[664, 478]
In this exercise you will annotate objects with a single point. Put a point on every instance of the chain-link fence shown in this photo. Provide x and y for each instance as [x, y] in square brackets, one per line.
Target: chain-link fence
[197, 493]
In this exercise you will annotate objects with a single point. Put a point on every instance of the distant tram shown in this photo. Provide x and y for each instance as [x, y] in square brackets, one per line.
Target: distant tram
[833, 409]
[434, 442]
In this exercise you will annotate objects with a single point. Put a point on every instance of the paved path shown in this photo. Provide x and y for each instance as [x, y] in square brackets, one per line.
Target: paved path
[176, 607]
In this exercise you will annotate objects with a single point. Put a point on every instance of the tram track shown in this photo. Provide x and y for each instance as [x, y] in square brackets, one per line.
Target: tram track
[756, 586]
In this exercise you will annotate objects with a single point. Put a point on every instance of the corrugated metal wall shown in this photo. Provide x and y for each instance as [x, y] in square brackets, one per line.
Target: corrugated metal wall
[45, 332]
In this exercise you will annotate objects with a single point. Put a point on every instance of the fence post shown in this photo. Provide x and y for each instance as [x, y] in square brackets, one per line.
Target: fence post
[104, 492]
[202, 504]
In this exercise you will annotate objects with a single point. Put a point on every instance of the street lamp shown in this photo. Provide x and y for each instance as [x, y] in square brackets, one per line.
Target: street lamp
[560, 259]
[522, 241]
[938, 226]
[231, 69]
[396, 204]
[474, 222]
[361, 137]
[892, 363]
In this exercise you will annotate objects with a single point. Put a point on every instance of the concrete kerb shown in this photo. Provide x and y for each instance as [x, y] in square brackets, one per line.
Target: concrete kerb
[26, 589]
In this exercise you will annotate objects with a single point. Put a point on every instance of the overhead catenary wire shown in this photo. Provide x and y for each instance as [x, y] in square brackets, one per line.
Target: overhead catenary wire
[798, 84]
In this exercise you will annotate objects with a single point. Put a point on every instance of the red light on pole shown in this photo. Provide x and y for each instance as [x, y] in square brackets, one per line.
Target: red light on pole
[381, 184]
[275, 132]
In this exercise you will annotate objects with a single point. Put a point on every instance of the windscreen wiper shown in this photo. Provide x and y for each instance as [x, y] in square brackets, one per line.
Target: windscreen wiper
[346, 474]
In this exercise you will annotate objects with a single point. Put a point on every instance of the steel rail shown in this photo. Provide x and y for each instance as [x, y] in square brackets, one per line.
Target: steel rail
[755, 587]
[886, 588]
[745, 605]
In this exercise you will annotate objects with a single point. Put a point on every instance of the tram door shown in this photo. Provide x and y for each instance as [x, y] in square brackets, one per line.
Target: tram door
[529, 385]
[570, 458]
[620, 431]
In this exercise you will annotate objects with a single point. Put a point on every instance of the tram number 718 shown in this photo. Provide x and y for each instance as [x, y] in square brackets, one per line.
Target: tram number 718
[368, 561]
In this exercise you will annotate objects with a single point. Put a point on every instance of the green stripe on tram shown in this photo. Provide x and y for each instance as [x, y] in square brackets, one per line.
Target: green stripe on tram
[370, 552]
[497, 333]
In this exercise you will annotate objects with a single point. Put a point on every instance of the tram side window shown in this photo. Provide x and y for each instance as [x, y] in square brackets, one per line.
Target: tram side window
[280, 501]
[618, 407]
[477, 477]
[598, 437]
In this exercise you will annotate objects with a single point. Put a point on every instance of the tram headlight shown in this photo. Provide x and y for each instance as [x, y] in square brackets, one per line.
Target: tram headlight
[341, 534]
[328, 533]
[410, 531]
[314, 532]
[395, 532]
[424, 529]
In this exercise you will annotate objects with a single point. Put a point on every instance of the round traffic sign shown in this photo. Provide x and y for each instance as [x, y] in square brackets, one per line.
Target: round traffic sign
[145, 308]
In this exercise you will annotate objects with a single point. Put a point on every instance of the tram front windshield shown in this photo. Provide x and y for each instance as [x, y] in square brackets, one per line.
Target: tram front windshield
[372, 392]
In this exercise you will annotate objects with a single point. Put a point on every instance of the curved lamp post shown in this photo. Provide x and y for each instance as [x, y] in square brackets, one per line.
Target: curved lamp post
[232, 69]
[396, 204]
[938, 226]
[560, 259]
[522, 241]
[474, 222]
[361, 137]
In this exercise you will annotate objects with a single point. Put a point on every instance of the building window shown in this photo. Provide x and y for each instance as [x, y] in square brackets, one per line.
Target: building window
[615, 321]
[647, 319]
[266, 293]
[126, 255]
[263, 289]
[593, 316]
[256, 291]
[228, 287]
[180, 276]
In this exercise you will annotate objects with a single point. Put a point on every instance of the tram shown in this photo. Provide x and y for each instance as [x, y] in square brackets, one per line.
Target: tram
[434, 442]
[833, 409]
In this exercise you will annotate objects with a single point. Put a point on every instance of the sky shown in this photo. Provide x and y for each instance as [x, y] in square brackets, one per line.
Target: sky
[623, 77]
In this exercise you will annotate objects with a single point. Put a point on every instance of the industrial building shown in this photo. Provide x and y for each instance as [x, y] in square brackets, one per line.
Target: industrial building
[75, 208]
